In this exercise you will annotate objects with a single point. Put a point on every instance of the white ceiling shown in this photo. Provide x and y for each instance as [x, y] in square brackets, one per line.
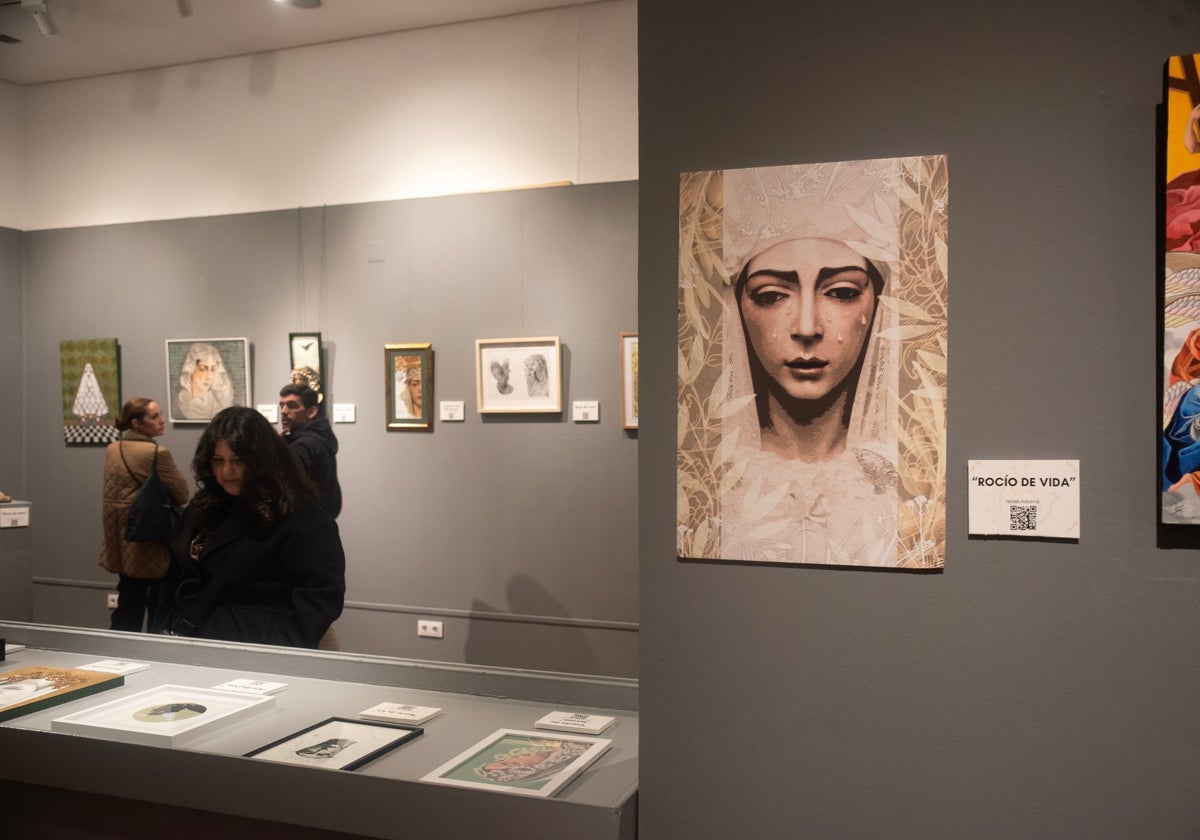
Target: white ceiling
[113, 36]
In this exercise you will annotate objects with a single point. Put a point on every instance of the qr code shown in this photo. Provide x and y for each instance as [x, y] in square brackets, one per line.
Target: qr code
[1022, 517]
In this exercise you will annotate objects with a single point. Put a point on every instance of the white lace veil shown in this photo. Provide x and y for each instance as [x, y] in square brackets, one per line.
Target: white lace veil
[853, 202]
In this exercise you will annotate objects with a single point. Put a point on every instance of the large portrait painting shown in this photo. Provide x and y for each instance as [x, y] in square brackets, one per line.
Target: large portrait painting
[812, 364]
[1180, 478]
[91, 390]
[205, 375]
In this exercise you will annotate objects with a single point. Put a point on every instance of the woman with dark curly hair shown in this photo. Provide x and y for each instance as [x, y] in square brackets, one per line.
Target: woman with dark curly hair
[258, 560]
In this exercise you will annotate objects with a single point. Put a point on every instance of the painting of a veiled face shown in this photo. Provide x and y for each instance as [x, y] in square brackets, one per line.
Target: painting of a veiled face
[812, 364]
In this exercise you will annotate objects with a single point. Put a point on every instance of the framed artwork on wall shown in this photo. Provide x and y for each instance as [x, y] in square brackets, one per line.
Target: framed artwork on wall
[306, 351]
[521, 762]
[205, 375]
[167, 716]
[337, 744]
[408, 379]
[1179, 489]
[91, 390]
[812, 346]
[519, 375]
[629, 380]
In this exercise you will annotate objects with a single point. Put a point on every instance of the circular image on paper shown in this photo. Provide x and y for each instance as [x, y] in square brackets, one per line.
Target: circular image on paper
[169, 712]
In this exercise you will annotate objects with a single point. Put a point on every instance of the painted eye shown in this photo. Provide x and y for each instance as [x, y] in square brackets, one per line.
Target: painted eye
[844, 293]
[767, 297]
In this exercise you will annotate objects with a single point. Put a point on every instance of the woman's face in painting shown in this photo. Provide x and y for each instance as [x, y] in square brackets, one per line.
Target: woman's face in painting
[414, 388]
[202, 376]
[808, 305]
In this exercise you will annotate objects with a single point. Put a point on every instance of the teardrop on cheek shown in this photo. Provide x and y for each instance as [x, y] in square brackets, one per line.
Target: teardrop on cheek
[862, 319]
[840, 339]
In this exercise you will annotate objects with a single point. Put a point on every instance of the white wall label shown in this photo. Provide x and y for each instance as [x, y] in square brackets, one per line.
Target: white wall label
[17, 517]
[1023, 498]
[343, 412]
[451, 411]
[269, 410]
[585, 411]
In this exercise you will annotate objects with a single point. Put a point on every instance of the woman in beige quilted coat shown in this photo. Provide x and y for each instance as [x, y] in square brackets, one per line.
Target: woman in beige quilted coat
[127, 463]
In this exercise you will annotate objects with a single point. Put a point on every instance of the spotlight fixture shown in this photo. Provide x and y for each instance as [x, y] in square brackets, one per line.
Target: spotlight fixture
[302, 4]
[41, 16]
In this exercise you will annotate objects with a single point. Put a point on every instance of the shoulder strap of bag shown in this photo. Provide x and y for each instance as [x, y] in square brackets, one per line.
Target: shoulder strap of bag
[121, 452]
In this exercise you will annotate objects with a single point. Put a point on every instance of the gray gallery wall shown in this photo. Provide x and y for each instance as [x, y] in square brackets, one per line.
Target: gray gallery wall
[1032, 689]
[518, 531]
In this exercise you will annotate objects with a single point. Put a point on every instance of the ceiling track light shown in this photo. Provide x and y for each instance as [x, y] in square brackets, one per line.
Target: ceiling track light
[302, 4]
[41, 16]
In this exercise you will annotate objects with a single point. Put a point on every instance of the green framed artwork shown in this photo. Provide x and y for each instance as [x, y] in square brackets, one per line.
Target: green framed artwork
[91, 390]
[520, 762]
[408, 379]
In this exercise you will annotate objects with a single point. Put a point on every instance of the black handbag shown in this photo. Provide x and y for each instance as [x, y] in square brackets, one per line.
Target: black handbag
[152, 515]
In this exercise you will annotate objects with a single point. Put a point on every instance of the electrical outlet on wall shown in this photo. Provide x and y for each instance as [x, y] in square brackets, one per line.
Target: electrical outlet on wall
[429, 629]
[112, 600]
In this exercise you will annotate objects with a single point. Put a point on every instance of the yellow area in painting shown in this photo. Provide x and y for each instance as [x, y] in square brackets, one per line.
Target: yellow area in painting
[1179, 107]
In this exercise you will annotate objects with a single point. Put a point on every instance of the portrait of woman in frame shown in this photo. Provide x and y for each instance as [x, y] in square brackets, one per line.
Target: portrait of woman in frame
[409, 372]
[812, 364]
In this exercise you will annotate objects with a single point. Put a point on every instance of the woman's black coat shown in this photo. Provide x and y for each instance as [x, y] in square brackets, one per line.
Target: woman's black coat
[283, 583]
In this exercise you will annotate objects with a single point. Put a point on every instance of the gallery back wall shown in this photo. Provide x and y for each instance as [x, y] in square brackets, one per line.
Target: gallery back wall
[516, 531]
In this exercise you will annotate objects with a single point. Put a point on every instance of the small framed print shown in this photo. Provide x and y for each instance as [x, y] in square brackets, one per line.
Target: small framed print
[166, 716]
[306, 350]
[38, 687]
[408, 373]
[520, 762]
[337, 744]
[629, 380]
[519, 375]
[205, 375]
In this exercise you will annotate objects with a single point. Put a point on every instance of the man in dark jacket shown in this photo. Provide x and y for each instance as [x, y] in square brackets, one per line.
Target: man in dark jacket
[313, 443]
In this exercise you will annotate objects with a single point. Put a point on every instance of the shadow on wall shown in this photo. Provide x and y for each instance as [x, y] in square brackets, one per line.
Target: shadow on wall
[514, 644]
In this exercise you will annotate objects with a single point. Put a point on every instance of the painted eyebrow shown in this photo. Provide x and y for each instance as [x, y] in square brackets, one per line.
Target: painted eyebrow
[793, 277]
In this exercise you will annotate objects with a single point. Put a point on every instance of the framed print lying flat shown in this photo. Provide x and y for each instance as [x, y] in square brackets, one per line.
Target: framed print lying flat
[516, 761]
[38, 687]
[629, 380]
[519, 375]
[337, 744]
[205, 375]
[408, 378]
[166, 716]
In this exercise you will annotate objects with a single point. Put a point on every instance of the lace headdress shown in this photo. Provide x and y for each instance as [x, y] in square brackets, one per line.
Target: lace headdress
[852, 202]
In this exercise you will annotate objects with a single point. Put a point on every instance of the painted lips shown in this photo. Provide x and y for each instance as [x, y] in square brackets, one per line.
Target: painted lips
[807, 367]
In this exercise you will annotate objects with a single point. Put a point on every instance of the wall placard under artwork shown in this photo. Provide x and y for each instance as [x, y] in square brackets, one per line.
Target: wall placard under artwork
[1024, 498]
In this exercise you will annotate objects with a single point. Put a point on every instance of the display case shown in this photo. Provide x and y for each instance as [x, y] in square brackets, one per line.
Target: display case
[72, 779]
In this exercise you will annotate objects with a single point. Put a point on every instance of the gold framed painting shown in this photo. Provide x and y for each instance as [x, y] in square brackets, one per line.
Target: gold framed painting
[408, 374]
[629, 380]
